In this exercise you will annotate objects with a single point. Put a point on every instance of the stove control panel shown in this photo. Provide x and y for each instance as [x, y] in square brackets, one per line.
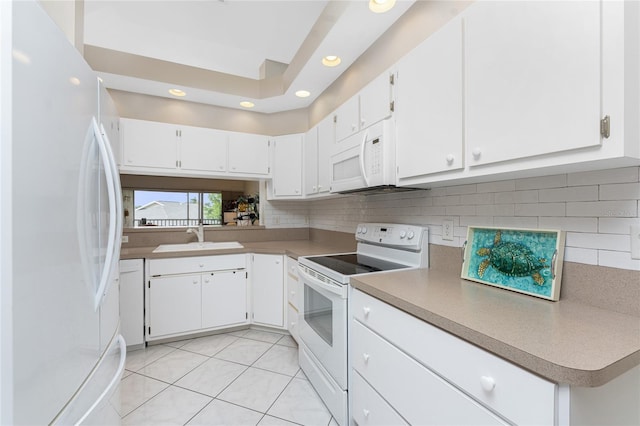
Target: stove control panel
[389, 234]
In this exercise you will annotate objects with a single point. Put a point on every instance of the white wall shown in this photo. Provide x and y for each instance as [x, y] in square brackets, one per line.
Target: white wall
[595, 208]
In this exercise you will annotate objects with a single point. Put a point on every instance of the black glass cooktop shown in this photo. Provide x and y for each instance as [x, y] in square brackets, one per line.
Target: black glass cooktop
[352, 264]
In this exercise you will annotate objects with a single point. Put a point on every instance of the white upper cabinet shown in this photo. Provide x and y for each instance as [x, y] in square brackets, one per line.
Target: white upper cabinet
[317, 149]
[156, 148]
[376, 100]
[429, 109]
[372, 104]
[148, 144]
[203, 149]
[533, 79]
[287, 167]
[347, 118]
[248, 153]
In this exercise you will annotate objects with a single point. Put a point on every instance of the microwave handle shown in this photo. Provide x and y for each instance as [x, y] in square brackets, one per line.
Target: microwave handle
[362, 165]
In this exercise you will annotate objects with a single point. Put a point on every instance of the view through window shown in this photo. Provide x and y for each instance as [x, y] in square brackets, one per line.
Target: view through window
[175, 208]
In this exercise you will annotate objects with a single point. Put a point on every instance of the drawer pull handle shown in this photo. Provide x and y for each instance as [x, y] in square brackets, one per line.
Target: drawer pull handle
[366, 358]
[365, 412]
[366, 311]
[488, 383]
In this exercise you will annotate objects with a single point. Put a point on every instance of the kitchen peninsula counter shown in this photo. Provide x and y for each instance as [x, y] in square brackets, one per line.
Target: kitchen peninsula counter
[566, 342]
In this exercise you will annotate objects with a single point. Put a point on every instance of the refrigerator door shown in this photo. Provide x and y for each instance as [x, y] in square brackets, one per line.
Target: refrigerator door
[63, 217]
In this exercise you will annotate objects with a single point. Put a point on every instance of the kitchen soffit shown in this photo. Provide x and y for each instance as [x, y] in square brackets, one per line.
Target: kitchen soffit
[223, 52]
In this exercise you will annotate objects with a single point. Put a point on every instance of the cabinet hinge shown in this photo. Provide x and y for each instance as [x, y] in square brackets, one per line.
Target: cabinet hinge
[149, 331]
[392, 106]
[246, 275]
[392, 79]
[246, 315]
[149, 286]
[268, 143]
[605, 127]
[269, 169]
[335, 118]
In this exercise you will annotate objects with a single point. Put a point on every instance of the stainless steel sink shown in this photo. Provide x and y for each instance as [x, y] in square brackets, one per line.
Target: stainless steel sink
[207, 245]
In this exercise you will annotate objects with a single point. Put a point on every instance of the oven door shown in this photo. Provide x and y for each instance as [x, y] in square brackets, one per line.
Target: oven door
[323, 324]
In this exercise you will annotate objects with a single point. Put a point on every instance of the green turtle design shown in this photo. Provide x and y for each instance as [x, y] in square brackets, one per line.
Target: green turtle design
[511, 259]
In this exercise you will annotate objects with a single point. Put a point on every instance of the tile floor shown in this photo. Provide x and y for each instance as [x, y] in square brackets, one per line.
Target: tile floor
[249, 377]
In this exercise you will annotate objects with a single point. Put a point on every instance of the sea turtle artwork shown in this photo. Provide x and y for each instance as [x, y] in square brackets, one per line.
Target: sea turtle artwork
[511, 259]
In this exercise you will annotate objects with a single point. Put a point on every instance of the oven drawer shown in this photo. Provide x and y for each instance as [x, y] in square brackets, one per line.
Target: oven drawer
[516, 394]
[428, 400]
[368, 407]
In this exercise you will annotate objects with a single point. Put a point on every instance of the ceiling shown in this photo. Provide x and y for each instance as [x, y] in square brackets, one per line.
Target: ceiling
[222, 52]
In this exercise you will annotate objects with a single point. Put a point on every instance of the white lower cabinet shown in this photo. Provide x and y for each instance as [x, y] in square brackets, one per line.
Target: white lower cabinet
[451, 381]
[224, 299]
[368, 407]
[267, 288]
[190, 294]
[174, 304]
[132, 301]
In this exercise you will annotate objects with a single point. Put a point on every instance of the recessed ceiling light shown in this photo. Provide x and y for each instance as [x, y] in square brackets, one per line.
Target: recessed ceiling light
[303, 93]
[75, 81]
[381, 6]
[247, 104]
[177, 92]
[331, 61]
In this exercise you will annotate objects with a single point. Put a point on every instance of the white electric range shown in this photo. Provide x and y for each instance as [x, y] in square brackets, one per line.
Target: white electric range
[382, 247]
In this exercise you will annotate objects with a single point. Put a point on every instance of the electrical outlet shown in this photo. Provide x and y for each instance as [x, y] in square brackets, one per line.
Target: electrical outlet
[125, 239]
[447, 230]
[635, 242]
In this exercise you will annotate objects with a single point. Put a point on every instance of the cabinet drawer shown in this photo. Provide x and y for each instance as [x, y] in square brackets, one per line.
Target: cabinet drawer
[292, 322]
[185, 265]
[429, 400]
[369, 408]
[518, 395]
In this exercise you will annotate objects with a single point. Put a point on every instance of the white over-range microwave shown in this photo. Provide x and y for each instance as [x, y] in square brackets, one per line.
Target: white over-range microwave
[365, 161]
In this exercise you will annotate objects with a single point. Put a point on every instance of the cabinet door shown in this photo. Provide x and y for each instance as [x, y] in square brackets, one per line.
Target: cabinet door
[287, 166]
[174, 305]
[347, 118]
[326, 140]
[203, 149]
[149, 144]
[375, 100]
[267, 289]
[532, 78]
[248, 153]
[311, 161]
[224, 298]
[429, 107]
[132, 301]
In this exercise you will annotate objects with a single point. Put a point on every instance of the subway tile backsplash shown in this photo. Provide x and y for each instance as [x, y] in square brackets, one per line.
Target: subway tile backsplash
[595, 208]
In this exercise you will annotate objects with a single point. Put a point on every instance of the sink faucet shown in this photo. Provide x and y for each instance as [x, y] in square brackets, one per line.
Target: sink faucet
[199, 232]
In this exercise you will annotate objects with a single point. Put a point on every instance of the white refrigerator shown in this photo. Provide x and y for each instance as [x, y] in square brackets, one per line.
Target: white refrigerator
[61, 353]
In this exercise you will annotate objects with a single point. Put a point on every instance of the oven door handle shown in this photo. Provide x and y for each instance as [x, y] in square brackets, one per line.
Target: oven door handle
[340, 290]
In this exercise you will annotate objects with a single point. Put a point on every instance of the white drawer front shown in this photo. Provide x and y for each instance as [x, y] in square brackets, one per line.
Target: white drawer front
[420, 396]
[368, 408]
[292, 319]
[516, 394]
[184, 265]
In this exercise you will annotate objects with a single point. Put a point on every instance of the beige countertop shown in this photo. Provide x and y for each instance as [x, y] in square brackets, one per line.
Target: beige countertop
[293, 248]
[566, 342]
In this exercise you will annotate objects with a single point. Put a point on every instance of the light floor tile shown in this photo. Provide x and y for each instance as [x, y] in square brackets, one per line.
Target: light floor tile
[178, 343]
[173, 406]
[300, 403]
[274, 421]
[211, 377]
[209, 345]
[136, 389]
[263, 336]
[239, 333]
[279, 359]
[220, 413]
[139, 358]
[287, 340]
[173, 366]
[243, 351]
[255, 389]
[126, 373]
[333, 422]
[301, 375]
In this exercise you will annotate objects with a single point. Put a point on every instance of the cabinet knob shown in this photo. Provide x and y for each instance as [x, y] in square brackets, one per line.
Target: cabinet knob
[313, 189]
[476, 153]
[365, 357]
[450, 159]
[366, 311]
[195, 281]
[293, 293]
[354, 126]
[206, 280]
[488, 383]
[201, 265]
[365, 412]
[363, 122]
[319, 187]
[293, 324]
